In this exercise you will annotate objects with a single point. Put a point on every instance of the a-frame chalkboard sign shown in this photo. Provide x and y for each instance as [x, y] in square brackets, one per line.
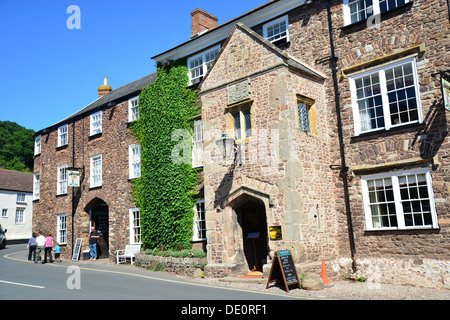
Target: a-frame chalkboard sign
[283, 268]
[77, 249]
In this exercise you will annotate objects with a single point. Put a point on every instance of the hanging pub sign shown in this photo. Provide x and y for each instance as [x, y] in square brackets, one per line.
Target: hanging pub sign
[446, 93]
[73, 177]
[283, 269]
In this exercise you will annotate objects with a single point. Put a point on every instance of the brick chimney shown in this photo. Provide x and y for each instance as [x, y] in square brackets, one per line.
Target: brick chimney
[202, 21]
[104, 89]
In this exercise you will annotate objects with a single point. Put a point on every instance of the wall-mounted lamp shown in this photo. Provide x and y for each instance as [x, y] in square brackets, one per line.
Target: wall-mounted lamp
[226, 145]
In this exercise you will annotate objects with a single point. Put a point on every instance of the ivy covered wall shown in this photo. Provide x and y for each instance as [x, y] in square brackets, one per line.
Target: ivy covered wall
[165, 190]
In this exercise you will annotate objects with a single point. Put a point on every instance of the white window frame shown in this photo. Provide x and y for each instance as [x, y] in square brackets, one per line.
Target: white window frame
[197, 144]
[274, 22]
[96, 177]
[133, 109]
[380, 70]
[63, 135]
[96, 123]
[62, 178]
[4, 213]
[375, 10]
[61, 233]
[135, 229]
[134, 160]
[36, 185]
[19, 218]
[21, 197]
[397, 199]
[205, 64]
[37, 145]
[196, 227]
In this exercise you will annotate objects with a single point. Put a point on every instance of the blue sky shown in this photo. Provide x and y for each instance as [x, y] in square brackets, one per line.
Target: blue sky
[48, 71]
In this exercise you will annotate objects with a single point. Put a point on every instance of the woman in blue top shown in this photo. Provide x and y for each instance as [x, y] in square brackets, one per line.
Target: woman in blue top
[32, 247]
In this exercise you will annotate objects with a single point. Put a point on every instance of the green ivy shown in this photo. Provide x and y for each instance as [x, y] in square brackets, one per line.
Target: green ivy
[165, 190]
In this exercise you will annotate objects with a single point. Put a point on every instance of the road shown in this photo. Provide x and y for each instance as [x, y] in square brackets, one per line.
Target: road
[75, 280]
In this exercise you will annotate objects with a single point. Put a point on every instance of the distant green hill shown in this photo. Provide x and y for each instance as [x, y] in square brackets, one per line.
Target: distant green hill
[16, 147]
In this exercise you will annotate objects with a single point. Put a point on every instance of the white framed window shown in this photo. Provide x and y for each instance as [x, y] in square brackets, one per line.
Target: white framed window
[199, 221]
[61, 232]
[96, 123]
[96, 171]
[386, 97]
[20, 197]
[359, 10]
[37, 145]
[20, 216]
[4, 213]
[399, 200]
[36, 185]
[62, 136]
[133, 109]
[197, 145]
[135, 226]
[200, 64]
[62, 180]
[277, 29]
[134, 152]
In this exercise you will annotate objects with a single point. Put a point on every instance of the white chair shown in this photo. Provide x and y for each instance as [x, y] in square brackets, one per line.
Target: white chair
[130, 251]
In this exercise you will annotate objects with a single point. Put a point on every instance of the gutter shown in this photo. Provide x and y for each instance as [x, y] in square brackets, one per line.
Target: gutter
[343, 165]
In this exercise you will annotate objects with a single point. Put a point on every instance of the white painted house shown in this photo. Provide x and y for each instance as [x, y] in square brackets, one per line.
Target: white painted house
[16, 204]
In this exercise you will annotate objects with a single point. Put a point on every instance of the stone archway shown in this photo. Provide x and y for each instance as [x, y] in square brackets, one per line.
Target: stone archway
[99, 219]
[246, 212]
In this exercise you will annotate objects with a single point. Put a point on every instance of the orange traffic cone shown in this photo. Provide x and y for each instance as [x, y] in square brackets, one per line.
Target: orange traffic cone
[324, 276]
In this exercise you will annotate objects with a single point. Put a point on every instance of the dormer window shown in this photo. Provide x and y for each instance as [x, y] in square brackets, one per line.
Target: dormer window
[200, 64]
[277, 31]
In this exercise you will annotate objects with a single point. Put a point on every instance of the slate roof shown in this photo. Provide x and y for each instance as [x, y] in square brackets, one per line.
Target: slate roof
[16, 181]
[119, 93]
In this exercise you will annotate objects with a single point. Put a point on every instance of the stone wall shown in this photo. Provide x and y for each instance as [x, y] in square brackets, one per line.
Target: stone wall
[180, 266]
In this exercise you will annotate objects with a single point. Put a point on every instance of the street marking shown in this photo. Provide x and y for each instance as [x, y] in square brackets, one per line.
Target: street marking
[22, 284]
[169, 280]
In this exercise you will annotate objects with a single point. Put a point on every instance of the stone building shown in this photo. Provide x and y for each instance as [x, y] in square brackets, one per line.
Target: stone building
[97, 144]
[335, 110]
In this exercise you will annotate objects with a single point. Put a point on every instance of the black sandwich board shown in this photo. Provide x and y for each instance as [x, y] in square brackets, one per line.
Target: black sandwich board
[76, 250]
[283, 268]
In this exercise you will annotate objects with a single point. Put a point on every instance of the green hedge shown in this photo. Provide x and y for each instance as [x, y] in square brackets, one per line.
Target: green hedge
[165, 191]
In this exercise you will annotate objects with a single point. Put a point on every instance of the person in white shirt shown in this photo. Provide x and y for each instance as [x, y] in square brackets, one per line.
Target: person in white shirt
[40, 248]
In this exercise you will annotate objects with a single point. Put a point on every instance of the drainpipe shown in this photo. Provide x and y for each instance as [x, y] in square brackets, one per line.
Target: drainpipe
[343, 165]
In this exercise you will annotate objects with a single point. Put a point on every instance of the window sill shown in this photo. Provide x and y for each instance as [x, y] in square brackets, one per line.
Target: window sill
[61, 195]
[373, 134]
[58, 148]
[385, 231]
[95, 136]
[95, 187]
[382, 15]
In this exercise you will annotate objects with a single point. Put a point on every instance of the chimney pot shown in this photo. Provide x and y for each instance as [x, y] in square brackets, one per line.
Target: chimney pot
[201, 21]
[105, 88]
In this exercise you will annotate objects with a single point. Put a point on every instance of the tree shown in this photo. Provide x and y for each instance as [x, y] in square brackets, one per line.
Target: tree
[16, 147]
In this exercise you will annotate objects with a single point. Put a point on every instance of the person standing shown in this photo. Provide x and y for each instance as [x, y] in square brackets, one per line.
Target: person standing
[48, 247]
[57, 252]
[93, 237]
[40, 248]
[32, 247]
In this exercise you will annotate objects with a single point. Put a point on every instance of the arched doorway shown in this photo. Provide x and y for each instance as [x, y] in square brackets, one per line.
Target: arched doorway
[251, 217]
[99, 219]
